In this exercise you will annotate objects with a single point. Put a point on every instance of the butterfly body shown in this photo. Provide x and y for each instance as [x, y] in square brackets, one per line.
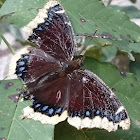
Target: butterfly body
[59, 89]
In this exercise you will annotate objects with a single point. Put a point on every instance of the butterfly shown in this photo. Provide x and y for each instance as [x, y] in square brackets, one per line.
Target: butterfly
[60, 90]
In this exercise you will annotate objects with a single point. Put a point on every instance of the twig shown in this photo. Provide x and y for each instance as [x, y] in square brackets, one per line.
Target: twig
[8, 45]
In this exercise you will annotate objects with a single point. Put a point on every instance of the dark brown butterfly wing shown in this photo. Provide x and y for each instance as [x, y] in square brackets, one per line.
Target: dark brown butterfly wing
[51, 31]
[34, 64]
[93, 104]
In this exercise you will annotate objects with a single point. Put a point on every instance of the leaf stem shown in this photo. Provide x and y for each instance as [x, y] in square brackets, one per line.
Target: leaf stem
[96, 41]
[8, 45]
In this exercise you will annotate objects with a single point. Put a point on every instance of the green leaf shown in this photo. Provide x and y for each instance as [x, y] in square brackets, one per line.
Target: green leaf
[135, 68]
[20, 12]
[7, 106]
[105, 54]
[11, 125]
[106, 20]
[127, 88]
[63, 131]
[109, 48]
[134, 1]
[125, 46]
[93, 52]
[131, 11]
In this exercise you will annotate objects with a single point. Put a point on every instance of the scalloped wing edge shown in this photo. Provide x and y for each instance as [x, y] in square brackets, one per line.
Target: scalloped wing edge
[14, 59]
[96, 122]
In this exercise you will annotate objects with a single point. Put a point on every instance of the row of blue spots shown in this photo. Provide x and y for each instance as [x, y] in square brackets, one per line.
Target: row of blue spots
[50, 18]
[21, 65]
[47, 110]
[87, 113]
[116, 117]
[51, 13]
[90, 113]
[40, 28]
[20, 68]
[57, 8]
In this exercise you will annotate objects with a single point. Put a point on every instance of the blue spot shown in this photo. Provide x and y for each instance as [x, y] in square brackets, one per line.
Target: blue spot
[87, 113]
[50, 19]
[116, 117]
[121, 115]
[105, 113]
[34, 33]
[56, 8]
[111, 117]
[33, 100]
[26, 56]
[78, 114]
[44, 108]
[46, 23]
[21, 68]
[51, 111]
[37, 105]
[59, 110]
[53, 10]
[97, 112]
[39, 28]
[50, 14]
[19, 75]
[21, 63]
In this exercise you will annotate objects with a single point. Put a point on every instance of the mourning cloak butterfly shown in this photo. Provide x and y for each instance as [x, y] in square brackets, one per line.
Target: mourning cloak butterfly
[59, 89]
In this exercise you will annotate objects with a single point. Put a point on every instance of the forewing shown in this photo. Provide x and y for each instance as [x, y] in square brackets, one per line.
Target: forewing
[51, 31]
[34, 64]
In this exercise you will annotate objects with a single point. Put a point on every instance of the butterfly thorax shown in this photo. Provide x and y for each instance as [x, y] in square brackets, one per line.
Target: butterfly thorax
[70, 66]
